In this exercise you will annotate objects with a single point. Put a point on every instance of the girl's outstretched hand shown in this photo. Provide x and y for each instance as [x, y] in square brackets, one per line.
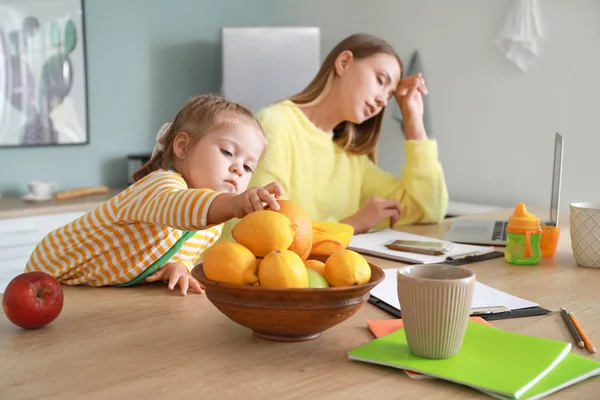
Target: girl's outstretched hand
[229, 205]
[174, 274]
[256, 199]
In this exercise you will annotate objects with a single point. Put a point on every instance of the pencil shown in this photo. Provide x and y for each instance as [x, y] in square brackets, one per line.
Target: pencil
[571, 327]
[584, 336]
[432, 252]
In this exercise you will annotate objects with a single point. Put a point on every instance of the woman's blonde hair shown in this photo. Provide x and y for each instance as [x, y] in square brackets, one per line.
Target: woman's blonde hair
[195, 118]
[354, 138]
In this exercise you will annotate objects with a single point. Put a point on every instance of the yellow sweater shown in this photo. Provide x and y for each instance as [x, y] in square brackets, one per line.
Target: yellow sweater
[331, 184]
[119, 239]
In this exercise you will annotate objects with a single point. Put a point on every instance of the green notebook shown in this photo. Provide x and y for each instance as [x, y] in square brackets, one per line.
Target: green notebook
[490, 360]
[573, 369]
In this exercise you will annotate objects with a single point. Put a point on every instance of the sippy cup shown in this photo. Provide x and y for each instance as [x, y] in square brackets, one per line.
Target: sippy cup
[523, 235]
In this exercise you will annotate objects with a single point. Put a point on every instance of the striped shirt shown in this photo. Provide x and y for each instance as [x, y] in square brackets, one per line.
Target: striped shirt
[122, 237]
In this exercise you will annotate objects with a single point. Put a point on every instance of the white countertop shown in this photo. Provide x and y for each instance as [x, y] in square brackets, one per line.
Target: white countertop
[16, 206]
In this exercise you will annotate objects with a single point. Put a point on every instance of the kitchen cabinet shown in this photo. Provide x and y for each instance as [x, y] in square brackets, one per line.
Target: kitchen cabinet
[24, 224]
[19, 236]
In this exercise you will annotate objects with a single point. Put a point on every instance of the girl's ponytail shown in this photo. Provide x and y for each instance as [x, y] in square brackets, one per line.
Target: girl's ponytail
[152, 165]
[157, 160]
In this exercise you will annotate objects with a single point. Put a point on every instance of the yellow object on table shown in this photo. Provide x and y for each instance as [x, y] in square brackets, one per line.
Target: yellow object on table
[329, 237]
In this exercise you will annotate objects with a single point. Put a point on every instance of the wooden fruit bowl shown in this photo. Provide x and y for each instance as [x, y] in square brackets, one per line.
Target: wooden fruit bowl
[287, 315]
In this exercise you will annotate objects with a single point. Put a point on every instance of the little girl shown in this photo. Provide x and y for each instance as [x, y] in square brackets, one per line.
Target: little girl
[157, 228]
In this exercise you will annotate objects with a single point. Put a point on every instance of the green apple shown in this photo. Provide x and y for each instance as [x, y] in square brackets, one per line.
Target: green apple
[316, 280]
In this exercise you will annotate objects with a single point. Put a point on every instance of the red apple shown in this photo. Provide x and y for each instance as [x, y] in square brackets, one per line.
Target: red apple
[33, 300]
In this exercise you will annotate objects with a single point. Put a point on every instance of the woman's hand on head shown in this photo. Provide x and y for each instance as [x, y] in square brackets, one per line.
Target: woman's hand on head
[372, 213]
[256, 199]
[409, 95]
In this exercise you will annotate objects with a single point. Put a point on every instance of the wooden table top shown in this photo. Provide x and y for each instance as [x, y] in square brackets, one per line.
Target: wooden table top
[147, 342]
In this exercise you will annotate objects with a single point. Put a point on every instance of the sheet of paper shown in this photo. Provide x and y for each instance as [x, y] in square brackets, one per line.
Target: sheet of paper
[484, 296]
[374, 244]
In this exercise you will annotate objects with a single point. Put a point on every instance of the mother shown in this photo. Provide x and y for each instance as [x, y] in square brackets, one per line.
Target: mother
[322, 142]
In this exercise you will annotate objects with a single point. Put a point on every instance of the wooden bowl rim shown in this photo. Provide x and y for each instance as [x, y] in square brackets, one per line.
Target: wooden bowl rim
[199, 269]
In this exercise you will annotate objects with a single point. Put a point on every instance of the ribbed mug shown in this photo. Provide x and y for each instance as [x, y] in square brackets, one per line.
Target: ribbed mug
[435, 301]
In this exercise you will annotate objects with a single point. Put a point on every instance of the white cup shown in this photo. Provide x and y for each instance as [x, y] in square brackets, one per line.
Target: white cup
[584, 221]
[40, 189]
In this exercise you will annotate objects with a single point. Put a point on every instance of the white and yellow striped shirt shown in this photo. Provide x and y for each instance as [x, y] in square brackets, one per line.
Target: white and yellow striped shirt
[119, 239]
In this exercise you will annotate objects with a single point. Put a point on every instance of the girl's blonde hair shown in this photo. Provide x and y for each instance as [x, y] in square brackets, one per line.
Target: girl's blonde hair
[354, 138]
[195, 118]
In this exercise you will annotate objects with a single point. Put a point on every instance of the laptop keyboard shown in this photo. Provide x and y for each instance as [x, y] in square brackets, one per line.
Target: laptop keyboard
[500, 230]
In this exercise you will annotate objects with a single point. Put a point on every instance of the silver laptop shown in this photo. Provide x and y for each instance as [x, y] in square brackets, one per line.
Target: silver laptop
[494, 232]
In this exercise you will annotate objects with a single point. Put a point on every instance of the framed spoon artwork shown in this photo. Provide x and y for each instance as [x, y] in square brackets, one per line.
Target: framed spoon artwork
[43, 84]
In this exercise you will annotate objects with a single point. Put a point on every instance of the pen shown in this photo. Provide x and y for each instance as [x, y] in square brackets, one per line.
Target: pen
[571, 327]
[584, 336]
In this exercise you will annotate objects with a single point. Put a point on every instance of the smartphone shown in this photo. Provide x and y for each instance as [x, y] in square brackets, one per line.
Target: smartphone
[418, 246]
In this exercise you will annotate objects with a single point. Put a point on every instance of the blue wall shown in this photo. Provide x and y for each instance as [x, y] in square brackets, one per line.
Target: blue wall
[144, 59]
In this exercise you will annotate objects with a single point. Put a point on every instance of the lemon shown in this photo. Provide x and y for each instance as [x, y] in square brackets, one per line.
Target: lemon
[263, 231]
[230, 262]
[347, 268]
[282, 269]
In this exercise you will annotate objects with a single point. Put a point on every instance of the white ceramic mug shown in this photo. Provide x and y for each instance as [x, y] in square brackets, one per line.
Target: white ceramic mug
[40, 189]
[584, 221]
[435, 301]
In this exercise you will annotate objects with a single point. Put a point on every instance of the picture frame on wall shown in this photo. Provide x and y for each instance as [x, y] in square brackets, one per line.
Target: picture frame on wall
[43, 77]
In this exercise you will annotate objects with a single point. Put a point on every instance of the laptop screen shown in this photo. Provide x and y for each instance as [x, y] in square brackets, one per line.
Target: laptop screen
[556, 178]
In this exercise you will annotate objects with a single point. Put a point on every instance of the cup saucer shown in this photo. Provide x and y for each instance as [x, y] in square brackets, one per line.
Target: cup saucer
[32, 197]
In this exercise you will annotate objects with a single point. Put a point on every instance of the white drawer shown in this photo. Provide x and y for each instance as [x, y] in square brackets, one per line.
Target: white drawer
[50, 222]
[16, 252]
[30, 230]
[10, 269]
[20, 236]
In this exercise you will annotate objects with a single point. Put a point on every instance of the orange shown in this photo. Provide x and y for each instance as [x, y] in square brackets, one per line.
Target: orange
[316, 265]
[230, 262]
[347, 268]
[302, 226]
[264, 231]
[282, 269]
